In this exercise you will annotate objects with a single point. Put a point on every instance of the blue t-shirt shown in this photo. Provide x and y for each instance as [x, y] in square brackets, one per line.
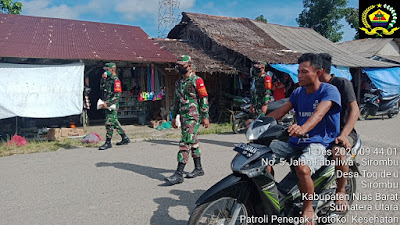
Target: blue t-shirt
[305, 104]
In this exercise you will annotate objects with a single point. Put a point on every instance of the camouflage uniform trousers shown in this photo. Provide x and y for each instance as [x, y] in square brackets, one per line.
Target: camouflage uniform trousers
[189, 141]
[112, 123]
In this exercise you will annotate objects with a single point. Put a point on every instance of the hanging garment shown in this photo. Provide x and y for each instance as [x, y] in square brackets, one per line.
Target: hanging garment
[152, 78]
[157, 80]
[148, 79]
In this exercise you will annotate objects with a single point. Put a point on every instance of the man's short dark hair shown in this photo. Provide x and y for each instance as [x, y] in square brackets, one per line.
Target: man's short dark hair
[326, 62]
[315, 60]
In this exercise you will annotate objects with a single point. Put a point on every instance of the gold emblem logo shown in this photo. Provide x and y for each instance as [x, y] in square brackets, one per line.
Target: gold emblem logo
[379, 19]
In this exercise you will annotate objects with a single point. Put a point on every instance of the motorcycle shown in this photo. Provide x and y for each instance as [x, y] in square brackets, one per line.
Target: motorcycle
[252, 192]
[240, 118]
[377, 105]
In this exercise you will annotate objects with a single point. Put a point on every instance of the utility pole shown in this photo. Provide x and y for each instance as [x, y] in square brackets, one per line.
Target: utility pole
[168, 16]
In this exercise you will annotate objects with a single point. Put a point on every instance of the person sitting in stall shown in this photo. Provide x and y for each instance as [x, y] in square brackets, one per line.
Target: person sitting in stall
[278, 88]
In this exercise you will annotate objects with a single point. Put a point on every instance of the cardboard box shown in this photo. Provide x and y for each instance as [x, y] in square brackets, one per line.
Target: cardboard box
[155, 123]
[57, 134]
[54, 134]
[67, 132]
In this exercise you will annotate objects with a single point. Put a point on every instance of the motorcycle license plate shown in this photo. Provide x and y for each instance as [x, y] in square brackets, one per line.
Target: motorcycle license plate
[246, 150]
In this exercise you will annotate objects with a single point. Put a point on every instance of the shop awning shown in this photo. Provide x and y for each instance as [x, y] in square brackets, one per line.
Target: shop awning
[291, 69]
[386, 79]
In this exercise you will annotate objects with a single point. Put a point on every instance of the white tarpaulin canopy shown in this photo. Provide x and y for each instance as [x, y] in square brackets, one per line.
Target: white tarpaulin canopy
[41, 91]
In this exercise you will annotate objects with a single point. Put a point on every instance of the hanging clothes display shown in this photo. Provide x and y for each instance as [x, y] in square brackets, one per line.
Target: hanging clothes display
[155, 84]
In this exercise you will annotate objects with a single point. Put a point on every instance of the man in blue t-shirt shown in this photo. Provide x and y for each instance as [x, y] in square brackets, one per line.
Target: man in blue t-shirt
[317, 107]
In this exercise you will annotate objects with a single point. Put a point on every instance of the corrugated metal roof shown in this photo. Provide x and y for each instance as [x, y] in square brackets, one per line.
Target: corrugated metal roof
[390, 57]
[40, 37]
[365, 47]
[307, 40]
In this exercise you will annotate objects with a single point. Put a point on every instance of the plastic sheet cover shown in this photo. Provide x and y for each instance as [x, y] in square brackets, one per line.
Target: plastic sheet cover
[41, 91]
[386, 79]
[291, 69]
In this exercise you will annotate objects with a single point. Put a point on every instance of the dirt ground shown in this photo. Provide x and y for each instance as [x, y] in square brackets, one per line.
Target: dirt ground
[136, 132]
[145, 132]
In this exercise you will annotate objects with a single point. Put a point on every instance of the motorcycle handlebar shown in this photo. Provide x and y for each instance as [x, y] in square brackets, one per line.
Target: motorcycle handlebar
[285, 130]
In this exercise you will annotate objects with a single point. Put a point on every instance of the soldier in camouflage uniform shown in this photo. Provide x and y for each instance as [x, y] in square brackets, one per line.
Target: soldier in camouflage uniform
[111, 87]
[191, 102]
[261, 94]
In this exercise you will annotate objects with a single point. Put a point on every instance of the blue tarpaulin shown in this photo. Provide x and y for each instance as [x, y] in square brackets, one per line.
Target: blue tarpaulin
[386, 79]
[291, 69]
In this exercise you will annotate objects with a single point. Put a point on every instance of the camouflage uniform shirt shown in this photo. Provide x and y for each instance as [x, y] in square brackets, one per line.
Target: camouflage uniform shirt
[191, 99]
[110, 95]
[260, 95]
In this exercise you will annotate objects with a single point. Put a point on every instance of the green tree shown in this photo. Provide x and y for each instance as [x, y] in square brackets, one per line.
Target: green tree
[9, 7]
[324, 17]
[351, 16]
[262, 18]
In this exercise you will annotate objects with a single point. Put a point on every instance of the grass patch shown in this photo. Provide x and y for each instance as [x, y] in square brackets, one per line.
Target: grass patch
[42, 146]
[49, 146]
[172, 135]
[217, 129]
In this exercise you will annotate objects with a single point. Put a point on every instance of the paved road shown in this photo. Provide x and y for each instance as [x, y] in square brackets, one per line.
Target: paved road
[125, 185]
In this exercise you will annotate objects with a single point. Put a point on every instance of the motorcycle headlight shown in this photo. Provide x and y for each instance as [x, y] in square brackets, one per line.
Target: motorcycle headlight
[254, 133]
[251, 137]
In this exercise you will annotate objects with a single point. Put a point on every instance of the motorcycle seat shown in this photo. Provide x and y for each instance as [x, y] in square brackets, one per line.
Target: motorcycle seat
[390, 97]
[276, 104]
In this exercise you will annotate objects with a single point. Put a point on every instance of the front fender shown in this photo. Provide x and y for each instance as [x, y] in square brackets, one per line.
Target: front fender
[226, 184]
[240, 115]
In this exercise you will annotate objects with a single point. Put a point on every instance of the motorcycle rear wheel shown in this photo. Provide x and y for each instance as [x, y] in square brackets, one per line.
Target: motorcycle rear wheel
[219, 212]
[395, 108]
[363, 114]
[351, 188]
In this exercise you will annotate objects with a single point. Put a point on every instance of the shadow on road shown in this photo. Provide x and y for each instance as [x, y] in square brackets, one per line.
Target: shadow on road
[164, 142]
[378, 118]
[151, 172]
[214, 142]
[186, 199]
[202, 140]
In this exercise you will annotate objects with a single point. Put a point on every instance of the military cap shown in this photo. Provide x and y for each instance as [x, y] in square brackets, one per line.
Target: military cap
[260, 64]
[183, 59]
[110, 65]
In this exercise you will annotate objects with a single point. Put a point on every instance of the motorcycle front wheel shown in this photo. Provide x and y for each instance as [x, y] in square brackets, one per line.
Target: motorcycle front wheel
[221, 212]
[239, 126]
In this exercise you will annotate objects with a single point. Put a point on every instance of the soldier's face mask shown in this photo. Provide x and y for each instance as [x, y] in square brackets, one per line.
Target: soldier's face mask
[182, 69]
[255, 71]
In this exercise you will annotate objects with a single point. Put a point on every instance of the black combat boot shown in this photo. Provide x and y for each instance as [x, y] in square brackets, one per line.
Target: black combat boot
[198, 171]
[106, 145]
[178, 175]
[125, 140]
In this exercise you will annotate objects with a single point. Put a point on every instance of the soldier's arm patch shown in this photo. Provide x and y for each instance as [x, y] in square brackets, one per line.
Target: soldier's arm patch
[117, 86]
[201, 88]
